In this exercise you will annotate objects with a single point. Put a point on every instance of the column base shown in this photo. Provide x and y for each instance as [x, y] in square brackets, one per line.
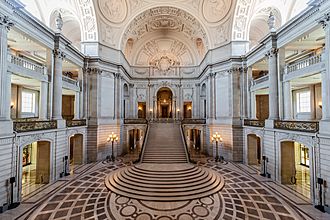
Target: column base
[61, 123]
[269, 123]
[6, 127]
[324, 127]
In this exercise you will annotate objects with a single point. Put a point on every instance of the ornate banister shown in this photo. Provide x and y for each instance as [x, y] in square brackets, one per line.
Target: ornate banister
[254, 123]
[25, 126]
[304, 126]
[76, 123]
[135, 121]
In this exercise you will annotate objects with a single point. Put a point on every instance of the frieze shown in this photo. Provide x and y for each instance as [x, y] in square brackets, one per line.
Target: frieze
[325, 20]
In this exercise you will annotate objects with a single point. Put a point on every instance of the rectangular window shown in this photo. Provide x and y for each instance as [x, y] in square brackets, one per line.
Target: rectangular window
[304, 102]
[28, 102]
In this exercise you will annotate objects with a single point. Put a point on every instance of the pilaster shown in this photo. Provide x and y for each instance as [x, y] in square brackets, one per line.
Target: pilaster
[273, 84]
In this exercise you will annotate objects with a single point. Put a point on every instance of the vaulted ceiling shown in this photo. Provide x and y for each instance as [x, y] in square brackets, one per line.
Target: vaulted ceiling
[165, 32]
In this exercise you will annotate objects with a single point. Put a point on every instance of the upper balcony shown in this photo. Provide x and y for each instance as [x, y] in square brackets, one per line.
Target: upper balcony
[307, 66]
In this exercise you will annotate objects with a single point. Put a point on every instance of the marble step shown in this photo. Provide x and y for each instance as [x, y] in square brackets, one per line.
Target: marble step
[175, 182]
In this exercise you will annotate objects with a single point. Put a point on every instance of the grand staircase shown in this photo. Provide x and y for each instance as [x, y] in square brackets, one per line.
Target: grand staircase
[164, 174]
[164, 144]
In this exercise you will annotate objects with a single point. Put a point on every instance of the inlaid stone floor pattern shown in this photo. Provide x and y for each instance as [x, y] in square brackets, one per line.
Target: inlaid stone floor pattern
[88, 198]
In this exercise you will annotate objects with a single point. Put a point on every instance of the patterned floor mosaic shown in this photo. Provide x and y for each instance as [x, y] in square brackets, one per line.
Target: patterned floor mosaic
[86, 197]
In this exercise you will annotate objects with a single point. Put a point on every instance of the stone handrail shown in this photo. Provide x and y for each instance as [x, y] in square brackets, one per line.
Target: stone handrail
[254, 123]
[25, 126]
[304, 126]
[193, 121]
[304, 63]
[76, 123]
[260, 80]
[70, 80]
[21, 62]
[135, 121]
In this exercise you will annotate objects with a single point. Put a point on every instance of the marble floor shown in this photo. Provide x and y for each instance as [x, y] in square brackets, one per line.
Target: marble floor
[84, 195]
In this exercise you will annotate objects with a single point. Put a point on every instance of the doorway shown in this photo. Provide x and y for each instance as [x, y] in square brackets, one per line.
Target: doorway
[76, 151]
[35, 166]
[254, 150]
[295, 167]
[164, 103]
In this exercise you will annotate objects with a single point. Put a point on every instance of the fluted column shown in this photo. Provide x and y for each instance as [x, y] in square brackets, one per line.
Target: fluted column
[325, 22]
[5, 77]
[287, 98]
[57, 84]
[43, 100]
[273, 84]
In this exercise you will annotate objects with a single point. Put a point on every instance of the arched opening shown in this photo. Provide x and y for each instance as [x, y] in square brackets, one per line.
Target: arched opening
[35, 166]
[76, 151]
[295, 167]
[254, 150]
[135, 140]
[164, 103]
[194, 140]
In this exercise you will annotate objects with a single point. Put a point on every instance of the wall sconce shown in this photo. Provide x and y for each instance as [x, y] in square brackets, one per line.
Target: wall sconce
[140, 108]
[189, 108]
[164, 100]
[150, 110]
[178, 110]
[320, 104]
[11, 105]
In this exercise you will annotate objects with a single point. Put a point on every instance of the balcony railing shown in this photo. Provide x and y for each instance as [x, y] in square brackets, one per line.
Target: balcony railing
[305, 126]
[304, 63]
[25, 126]
[135, 121]
[70, 80]
[260, 80]
[193, 121]
[76, 123]
[21, 62]
[254, 123]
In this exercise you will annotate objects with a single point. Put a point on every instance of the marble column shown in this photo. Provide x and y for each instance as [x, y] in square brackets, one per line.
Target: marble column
[43, 100]
[325, 22]
[57, 84]
[248, 92]
[197, 101]
[77, 105]
[5, 77]
[253, 114]
[273, 84]
[287, 98]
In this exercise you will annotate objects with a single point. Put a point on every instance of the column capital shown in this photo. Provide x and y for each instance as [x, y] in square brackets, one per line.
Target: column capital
[6, 22]
[58, 53]
[92, 70]
[272, 52]
[116, 75]
[325, 21]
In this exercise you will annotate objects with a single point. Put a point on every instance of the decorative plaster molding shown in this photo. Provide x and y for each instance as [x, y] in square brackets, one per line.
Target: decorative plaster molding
[114, 11]
[6, 22]
[215, 10]
[272, 52]
[59, 54]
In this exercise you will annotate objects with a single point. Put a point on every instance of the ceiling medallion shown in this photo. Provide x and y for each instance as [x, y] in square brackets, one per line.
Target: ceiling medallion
[215, 10]
[114, 11]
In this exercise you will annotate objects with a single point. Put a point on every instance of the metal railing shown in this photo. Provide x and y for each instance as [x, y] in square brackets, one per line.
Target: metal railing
[21, 62]
[304, 126]
[254, 123]
[25, 126]
[135, 121]
[193, 121]
[304, 63]
[141, 153]
[76, 123]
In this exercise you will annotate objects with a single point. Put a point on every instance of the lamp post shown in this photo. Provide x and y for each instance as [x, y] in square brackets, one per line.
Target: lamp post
[216, 138]
[112, 138]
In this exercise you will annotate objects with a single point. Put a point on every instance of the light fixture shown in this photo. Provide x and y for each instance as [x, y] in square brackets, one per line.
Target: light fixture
[189, 108]
[217, 138]
[178, 110]
[112, 138]
[12, 105]
[150, 110]
[320, 104]
[140, 108]
[164, 100]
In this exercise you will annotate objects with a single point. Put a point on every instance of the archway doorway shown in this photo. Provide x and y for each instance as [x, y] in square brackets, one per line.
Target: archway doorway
[76, 151]
[254, 150]
[35, 166]
[164, 103]
[295, 167]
